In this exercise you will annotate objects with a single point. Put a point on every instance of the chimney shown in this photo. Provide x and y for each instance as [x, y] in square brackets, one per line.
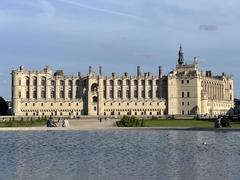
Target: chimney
[89, 70]
[100, 70]
[79, 74]
[113, 74]
[125, 74]
[138, 71]
[160, 71]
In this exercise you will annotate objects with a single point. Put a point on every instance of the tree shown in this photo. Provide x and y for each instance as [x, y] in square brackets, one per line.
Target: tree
[3, 107]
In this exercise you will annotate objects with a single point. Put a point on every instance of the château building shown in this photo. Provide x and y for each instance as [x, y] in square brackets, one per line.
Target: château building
[184, 91]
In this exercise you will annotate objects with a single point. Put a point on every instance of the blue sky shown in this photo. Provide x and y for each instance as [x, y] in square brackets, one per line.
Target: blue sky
[118, 34]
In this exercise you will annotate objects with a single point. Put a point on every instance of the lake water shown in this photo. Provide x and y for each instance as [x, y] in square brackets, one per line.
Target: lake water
[119, 155]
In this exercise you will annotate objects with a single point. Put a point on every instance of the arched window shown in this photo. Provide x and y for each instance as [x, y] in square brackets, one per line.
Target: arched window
[27, 81]
[119, 82]
[111, 82]
[149, 82]
[35, 81]
[94, 87]
[135, 82]
[43, 81]
[78, 83]
[62, 82]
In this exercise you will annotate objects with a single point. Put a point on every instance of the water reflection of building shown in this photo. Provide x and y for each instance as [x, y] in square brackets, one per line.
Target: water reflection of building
[184, 91]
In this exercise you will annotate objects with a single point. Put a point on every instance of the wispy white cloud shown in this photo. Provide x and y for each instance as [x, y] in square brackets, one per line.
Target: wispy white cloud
[103, 10]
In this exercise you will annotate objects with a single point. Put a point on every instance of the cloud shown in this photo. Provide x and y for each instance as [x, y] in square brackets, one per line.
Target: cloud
[103, 10]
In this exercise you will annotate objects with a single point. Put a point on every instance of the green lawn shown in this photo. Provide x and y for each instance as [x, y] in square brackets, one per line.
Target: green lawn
[32, 123]
[184, 123]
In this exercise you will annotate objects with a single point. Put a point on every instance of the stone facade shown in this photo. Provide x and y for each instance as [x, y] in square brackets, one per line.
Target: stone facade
[184, 91]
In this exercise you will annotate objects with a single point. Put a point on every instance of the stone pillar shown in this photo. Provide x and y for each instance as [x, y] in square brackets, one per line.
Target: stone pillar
[48, 87]
[38, 87]
[139, 88]
[57, 91]
[74, 88]
[131, 88]
[124, 89]
[65, 89]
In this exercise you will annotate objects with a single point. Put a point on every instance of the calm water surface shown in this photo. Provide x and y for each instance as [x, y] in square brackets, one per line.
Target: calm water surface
[119, 155]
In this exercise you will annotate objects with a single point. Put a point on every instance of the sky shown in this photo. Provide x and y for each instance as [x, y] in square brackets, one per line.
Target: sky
[118, 35]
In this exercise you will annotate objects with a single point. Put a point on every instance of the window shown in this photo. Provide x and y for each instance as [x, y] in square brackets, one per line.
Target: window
[187, 81]
[27, 81]
[62, 83]
[35, 94]
[182, 103]
[182, 94]
[150, 93]
[105, 94]
[119, 82]
[52, 83]
[188, 103]
[119, 94]
[188, 94]
[27, 94]
[188, 112]
[52, 94]
[149, 82]
[43, 94]
[61, 94]
[143, 94]
[128, 82]
[182, 112]
[70, 94]
[70, 82]
[111, 82]
[128, 94]
[143, 83]
[135, 93]
[19, 82]
[182, 81]
[135, 82]
[43, 81]
[78, 83]
[35, 81]
[111, 93]
[157, 93]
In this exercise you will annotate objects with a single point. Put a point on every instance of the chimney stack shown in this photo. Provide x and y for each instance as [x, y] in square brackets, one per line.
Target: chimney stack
[160, 71]
[89, 70]
[138, 71]
[100, 70]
